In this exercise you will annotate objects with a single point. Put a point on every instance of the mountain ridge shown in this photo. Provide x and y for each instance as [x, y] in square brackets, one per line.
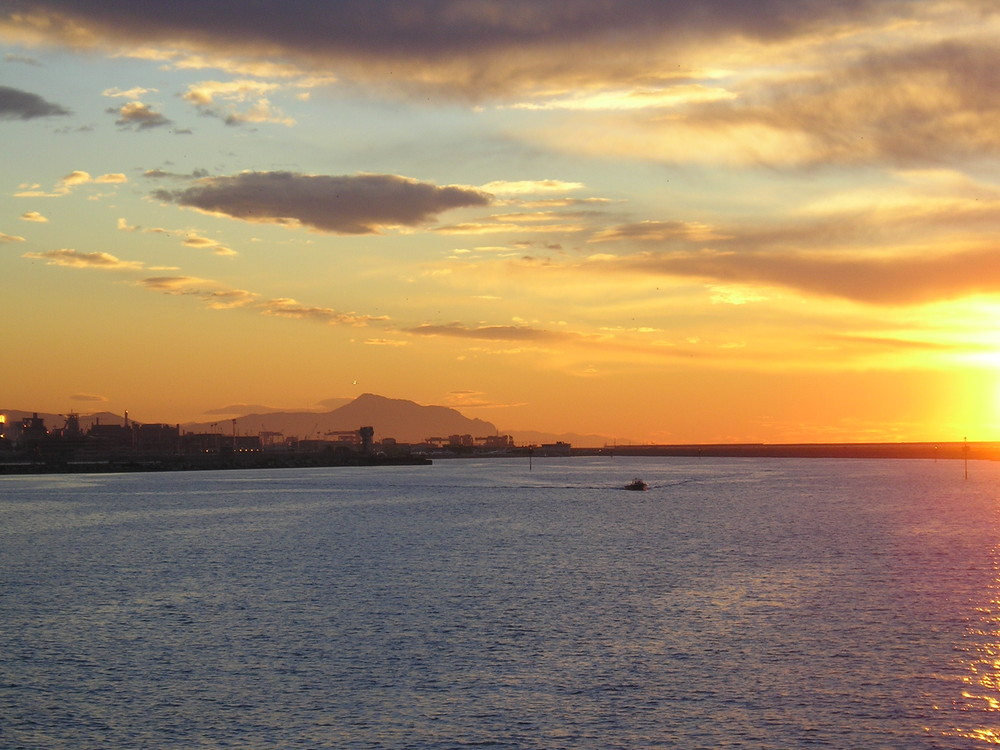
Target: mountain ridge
[404, 420]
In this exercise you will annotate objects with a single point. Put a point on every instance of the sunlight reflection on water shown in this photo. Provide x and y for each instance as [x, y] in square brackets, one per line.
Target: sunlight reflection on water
[979, 702]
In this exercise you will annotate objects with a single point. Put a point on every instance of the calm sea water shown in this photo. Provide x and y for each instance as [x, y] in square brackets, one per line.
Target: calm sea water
[738, 603]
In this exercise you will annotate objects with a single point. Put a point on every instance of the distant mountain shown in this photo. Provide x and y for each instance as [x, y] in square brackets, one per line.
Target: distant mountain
[406, 421]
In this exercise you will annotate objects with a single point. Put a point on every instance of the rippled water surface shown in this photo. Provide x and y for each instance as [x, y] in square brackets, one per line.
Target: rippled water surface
[738, 603]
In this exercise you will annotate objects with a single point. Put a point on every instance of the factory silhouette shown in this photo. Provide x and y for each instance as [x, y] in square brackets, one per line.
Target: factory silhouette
[29, 445]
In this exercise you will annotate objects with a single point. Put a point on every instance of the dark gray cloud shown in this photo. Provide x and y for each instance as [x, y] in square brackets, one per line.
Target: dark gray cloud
[342, 204]
[23, 105]
[426, 25]
[158, 174]
[475, 48]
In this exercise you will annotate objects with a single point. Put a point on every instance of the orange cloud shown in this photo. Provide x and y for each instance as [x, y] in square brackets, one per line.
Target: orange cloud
[66, 184]
[286, 307]
[75, 259]
[207, 95]
[132, 93]
[216, 296]
[909, 102]
[658, 231]
[491, 333]
[907, 280]
[220, 297]
[76, 177]
[194, 240]
[530, 187]
[139, 116]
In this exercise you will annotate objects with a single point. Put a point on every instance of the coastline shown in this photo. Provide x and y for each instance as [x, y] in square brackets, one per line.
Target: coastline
[919, 450]
[128, 464]
[122, 463]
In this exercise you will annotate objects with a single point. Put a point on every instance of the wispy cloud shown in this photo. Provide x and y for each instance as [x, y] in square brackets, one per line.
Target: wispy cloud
[285, 307]
[75, 259]
[197, 241]
[673, 95]
[89, 398]
[222, 99]
[160, 174]
[190, 238]
[216, 296]
[33, 216]
[220, 297]
[304, 75]
[657, 231]
[24, 59]
[10, 238]
[133, 93]
[67, 183]
[908, 102]
[501, 225]
[530, 187]
[933, 102]
[906, 280]
[473, 400]
[491, 333]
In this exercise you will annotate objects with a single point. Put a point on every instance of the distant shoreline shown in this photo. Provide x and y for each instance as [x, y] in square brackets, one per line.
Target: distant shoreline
[977, 451]
[125, 465]
[924, 450]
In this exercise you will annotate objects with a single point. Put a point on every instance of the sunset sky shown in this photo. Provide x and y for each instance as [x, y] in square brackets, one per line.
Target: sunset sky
[661, 221]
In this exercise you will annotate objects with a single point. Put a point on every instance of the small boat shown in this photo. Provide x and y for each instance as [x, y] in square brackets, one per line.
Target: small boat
[637, 485]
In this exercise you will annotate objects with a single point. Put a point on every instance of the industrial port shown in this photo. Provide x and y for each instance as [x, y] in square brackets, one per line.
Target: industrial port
[29, 445]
